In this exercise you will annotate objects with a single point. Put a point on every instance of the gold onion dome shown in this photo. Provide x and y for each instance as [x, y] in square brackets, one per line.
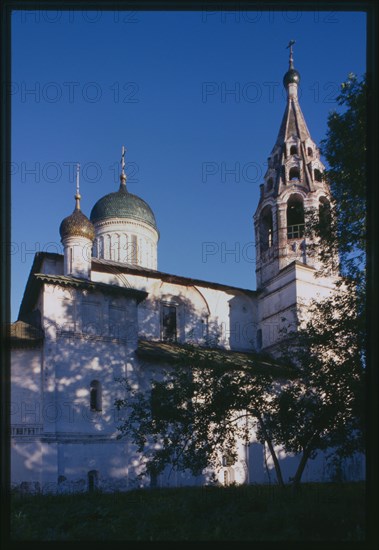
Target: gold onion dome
[77, 224]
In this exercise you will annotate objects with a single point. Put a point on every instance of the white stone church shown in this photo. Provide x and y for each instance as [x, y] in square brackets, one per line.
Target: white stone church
[103, 311]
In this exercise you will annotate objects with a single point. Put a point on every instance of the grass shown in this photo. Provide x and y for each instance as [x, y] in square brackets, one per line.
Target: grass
[316, 512]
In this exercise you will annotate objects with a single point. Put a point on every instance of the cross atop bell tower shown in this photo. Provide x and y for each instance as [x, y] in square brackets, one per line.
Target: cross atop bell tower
[293, 184]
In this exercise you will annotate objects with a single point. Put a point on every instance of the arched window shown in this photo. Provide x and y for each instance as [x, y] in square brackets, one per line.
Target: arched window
[107, 247]
[226, 478]
[318, 175]
[95, 396]
[295, 217]
[168, 322]
[283, 175]
[100, 247]
[310, 152]
[270, 184]
[293, 150]
[95, 249]
[132, 250]
[123, 248]
[266, 229]
[93, 480]
[115, 247]
[228, 460]
[294, 173]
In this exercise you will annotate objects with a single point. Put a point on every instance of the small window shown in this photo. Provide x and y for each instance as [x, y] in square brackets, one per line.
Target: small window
[107, 247]
[259, 339]
[318, 175]
[227, 460]
[294, 173]
[283, 175]
[310, 152]
[169, 323]
[266, 229]
[100, 247]
[93, 480]
[95, 396]
[270, 184]
[70, 260]
[293, 150]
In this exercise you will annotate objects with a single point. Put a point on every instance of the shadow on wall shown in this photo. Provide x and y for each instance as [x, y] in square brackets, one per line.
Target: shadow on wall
[64, 422]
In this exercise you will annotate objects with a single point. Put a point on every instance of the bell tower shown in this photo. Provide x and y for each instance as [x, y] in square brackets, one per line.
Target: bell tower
[293, 185]
[294, 189]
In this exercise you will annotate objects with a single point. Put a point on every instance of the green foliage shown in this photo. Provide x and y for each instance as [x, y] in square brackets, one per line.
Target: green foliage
[345, 151]
[317, 512]
[191, 417]
[324, 407]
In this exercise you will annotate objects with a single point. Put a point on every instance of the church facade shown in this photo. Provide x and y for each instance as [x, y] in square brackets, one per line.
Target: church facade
[103, 311]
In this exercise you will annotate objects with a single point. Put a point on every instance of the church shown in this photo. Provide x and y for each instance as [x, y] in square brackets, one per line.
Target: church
[102, 311]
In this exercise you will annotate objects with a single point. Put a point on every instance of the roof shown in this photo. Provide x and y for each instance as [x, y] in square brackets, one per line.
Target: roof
[64, 280]
[293, 123]
[36, 279]
[108, 266]
[123, 204]
[25, 335]
[174, 353]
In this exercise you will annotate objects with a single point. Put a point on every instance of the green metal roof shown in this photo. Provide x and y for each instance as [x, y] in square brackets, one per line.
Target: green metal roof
[174, 353]
[123, 204]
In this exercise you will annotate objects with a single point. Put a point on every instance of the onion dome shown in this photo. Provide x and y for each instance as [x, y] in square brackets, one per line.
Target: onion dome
[292, 76]
[122, 204]
[77, 224]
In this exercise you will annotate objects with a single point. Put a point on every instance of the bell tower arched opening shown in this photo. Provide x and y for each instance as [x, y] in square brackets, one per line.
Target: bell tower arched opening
[266, 229]
[295, 217]
[294, 173]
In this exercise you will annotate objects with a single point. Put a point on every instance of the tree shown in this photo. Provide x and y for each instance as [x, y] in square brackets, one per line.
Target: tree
[324, 407]
[344, 148]
[317, 403]
[194, 414]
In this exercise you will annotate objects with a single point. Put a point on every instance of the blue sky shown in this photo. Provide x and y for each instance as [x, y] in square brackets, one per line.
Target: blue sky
[196, 98]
